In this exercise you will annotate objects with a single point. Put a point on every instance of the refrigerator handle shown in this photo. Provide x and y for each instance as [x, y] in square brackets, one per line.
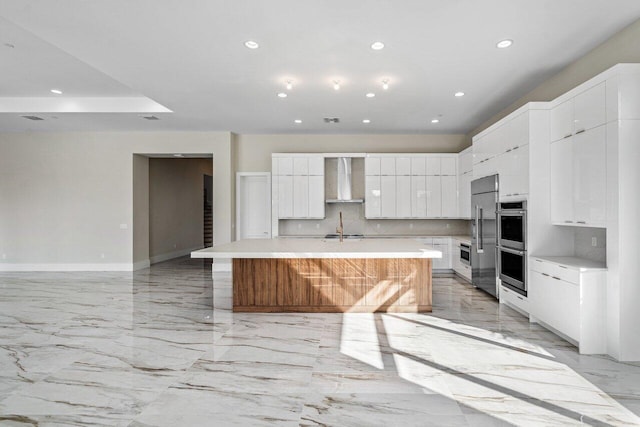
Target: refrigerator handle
[479, 243]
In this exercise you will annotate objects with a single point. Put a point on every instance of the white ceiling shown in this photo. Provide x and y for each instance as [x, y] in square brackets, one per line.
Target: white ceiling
[189, 56]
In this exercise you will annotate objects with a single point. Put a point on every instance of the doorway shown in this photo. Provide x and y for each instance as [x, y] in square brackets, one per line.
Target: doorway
[207, 208]
[253, 198]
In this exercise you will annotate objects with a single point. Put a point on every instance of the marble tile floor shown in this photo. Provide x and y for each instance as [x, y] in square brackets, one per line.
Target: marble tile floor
[161, 347]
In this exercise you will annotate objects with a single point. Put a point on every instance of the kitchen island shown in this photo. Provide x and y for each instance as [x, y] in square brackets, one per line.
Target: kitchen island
[320, 275]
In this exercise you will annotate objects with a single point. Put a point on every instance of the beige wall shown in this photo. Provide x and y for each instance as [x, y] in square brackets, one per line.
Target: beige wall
[254, 151]
[623, 47]
[140, 209]
[176, 205]
[67, 198]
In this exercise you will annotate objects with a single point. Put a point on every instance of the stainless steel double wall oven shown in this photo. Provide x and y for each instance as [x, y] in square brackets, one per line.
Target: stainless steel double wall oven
[512, 245]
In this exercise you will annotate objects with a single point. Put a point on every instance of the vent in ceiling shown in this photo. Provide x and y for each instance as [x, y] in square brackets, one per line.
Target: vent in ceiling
[32, 118]
[331, 120]
[150, 118]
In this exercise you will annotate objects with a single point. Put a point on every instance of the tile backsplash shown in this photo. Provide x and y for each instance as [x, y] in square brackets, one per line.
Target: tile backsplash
[583, 243]
[355, 223]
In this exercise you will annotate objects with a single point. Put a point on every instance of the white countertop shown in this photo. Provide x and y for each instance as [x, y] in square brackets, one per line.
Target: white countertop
[576, 263]
[319, 248]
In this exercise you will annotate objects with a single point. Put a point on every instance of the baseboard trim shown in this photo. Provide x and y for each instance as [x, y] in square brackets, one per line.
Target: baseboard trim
[141, 265]
[67, 267]
[171, 255]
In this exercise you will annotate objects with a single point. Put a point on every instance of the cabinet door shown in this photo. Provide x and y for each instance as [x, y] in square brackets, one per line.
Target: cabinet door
[589, 177]
[300, 196]
[388, 196]
[372, 166]
[300, 166]
[285, 165]
[418, 166]
[316, 165]
[561, 191]
[372, 197]
[285, 196]
[433, 165]
[418, 197]
[556, 303]
[403, 166]
[464, 195]
[387, 166]
[561, 120]
[316, 196]
[449, 197]
[448, 166]
[434, 197]
[519, 131]
[403, 196]
[274, 166]
[589, 108]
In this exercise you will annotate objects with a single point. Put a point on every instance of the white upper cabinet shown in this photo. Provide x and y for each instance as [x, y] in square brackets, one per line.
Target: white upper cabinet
[448, 166]
[561, 169]
[316, 165]
[589, 177]
[585, 111]
[388, 166]
[449, 197]
[372, 165]
[418, 196]
[372, 196]
[561, 121]
[403, 196]
[433, 166]
[418, 166]
[434, 196]
[298, 186]
[403, 166]
[589, 109]
[388, 196]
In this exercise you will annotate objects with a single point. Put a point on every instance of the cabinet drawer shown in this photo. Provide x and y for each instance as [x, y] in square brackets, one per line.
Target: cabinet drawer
[555, 271]
[514, 298]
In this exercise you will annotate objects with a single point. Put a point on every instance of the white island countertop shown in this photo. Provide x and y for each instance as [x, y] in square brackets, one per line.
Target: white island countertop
[320, 248]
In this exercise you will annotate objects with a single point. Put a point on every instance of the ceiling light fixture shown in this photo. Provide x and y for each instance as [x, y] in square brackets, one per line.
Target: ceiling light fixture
[336, 84]
[56, 91]
[502, 44]
[435, 121]
[377, 46]
[298, 121]
[385, 84]
[458, 94]
[251, 44]
[366, 121]
[370, 95]
[282, 95]
[289, 85]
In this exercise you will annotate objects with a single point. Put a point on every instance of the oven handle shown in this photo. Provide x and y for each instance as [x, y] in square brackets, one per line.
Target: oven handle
[511, 251]
[511, 213]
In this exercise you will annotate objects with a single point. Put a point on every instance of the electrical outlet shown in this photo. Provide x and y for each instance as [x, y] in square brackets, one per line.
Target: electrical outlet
[102, 256]
[448, 226]
[299, 226]
[594, 241]
[378, 226]
[411, 226]
[317, 225]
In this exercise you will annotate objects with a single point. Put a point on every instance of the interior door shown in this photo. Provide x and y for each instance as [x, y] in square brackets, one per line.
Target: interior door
[254, 206]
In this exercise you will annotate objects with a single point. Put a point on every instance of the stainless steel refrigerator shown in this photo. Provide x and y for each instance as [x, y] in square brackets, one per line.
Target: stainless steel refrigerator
[484, 203]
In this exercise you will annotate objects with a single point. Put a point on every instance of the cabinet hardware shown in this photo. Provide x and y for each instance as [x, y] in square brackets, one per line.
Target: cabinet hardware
[562, 266]
[581, 222]
[567, 136]
[568, 222]
[545, 274]
[509, 150]
[557, 278]
[516, 147]
[580, 131]
[538, 260]
[520, 298]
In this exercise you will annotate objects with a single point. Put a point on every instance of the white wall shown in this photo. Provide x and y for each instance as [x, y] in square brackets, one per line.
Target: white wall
[176, 206]
[64, 196]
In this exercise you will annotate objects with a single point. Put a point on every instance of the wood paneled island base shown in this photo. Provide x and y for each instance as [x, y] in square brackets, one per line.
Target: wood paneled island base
[322, 285]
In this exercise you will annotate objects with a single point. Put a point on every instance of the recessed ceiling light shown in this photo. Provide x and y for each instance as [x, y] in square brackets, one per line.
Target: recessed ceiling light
[370, 95]
[289, 85]
[282, 95]
[366, 121]
[251, 44]
[377, 45]
[459, 94]
[56, 91]
[435, 121]
[504, 44]
[336, 84]
[298, 121]
[385, 84]
[178, 155]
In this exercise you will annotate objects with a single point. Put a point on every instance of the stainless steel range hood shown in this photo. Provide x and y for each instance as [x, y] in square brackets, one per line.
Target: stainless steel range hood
[344, 182]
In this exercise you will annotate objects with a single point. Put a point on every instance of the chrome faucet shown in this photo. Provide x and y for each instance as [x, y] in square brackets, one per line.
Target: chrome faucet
[340, 229]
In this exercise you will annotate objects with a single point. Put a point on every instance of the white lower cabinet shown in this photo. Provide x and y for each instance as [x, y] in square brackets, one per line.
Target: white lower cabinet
[568, 295]
[514, 300]
[442, 244]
